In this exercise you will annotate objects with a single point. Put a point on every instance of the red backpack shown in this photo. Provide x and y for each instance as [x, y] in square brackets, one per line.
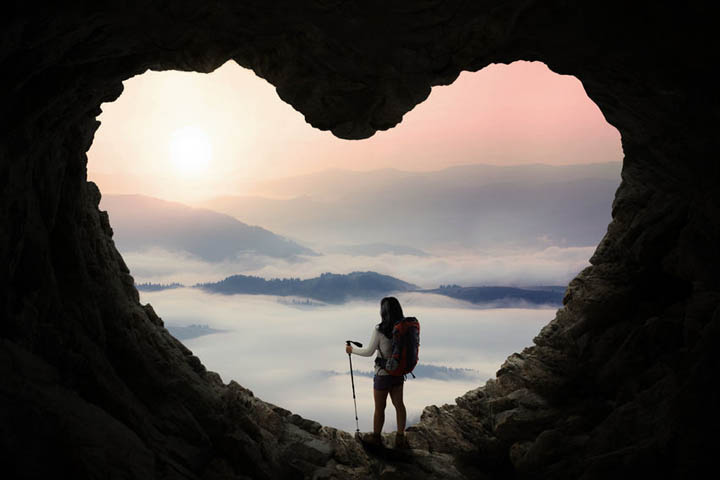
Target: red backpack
[405, 347]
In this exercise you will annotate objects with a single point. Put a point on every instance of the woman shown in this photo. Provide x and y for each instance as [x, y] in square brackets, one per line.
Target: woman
[383, 382]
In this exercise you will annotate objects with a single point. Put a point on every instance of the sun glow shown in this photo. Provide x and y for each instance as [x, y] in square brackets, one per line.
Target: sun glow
[190, 150]
[228, 133]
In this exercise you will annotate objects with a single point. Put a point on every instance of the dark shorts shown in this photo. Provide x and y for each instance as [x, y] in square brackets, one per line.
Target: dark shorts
[385, 382]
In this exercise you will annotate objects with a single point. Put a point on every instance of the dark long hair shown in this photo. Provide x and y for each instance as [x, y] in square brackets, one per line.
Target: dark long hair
[390, 312]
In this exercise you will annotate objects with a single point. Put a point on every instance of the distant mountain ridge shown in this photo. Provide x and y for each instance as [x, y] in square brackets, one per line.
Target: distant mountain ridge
[140, 222]
[328, 287]
[156, 287]
[503, 296]
[436, 372]
[333, 184]
[474, 206]
[339, 288]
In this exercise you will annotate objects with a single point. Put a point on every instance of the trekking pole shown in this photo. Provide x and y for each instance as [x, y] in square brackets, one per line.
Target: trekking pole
[352, 380]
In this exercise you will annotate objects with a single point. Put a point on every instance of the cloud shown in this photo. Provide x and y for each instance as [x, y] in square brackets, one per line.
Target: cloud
[549, 266]
[283, 353]
[436, 372]
[160, 265]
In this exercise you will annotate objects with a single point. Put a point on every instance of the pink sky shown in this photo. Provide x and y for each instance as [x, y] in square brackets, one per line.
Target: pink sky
[503, 115]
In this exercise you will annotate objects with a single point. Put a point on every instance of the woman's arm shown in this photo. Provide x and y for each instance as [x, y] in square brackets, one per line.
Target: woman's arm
[371, 346]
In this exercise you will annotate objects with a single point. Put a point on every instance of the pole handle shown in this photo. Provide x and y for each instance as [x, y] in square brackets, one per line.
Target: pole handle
[357, 344]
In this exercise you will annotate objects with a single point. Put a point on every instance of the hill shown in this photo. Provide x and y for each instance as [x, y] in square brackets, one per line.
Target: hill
[140, 222]
[474, 206]
[328, 287]
[503, 296]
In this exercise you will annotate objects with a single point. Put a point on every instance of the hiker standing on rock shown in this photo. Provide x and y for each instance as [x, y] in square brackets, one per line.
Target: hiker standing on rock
[383, 382]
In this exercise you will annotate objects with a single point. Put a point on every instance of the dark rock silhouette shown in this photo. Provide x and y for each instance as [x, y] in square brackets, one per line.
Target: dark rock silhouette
[621, 383]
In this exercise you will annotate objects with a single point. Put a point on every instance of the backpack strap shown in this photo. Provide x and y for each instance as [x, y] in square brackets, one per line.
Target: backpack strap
[380, 362]
[382, 357]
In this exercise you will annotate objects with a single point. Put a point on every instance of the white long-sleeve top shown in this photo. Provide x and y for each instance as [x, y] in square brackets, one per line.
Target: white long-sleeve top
[378, 342]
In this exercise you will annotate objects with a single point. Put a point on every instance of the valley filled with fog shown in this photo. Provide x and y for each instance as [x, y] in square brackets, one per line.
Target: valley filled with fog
[532, 227]
[293, 355]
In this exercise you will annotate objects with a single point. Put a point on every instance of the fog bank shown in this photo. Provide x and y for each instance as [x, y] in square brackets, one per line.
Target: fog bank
[288, 355]
[509, 267]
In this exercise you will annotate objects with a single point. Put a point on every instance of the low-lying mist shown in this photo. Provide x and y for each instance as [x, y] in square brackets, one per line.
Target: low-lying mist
[293, 355]
[550, 266]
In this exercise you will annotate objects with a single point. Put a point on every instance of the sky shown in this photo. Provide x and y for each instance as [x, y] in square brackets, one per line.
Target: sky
[189, 137]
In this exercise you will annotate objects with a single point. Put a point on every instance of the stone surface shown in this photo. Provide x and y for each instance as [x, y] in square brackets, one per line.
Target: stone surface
[622, 383]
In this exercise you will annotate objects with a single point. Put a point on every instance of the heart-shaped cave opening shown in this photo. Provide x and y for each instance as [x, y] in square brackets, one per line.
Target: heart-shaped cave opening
[620, 383]
[264, 244]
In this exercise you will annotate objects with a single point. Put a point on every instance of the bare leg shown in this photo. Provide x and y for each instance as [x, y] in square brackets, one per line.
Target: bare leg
[379, 417]
[396, 395]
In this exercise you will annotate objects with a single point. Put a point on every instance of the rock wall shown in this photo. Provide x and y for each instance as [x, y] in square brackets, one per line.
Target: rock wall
[621, 382]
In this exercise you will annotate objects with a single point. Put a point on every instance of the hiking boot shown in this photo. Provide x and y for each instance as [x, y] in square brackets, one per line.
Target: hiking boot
[401, 442]
[371, 439]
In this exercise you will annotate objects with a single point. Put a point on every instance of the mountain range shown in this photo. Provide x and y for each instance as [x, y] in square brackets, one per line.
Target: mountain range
[503, 296]
[140, 223]
[469, 206]
[382, 212]
[340, 288]
[328, 287]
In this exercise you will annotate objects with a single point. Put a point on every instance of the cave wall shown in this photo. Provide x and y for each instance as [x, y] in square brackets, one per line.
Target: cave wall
[621, 381]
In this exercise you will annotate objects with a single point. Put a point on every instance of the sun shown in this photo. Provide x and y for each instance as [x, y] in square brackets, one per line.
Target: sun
[190, 150]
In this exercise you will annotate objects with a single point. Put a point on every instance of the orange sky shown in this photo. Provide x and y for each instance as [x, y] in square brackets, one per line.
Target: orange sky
[189, 136]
